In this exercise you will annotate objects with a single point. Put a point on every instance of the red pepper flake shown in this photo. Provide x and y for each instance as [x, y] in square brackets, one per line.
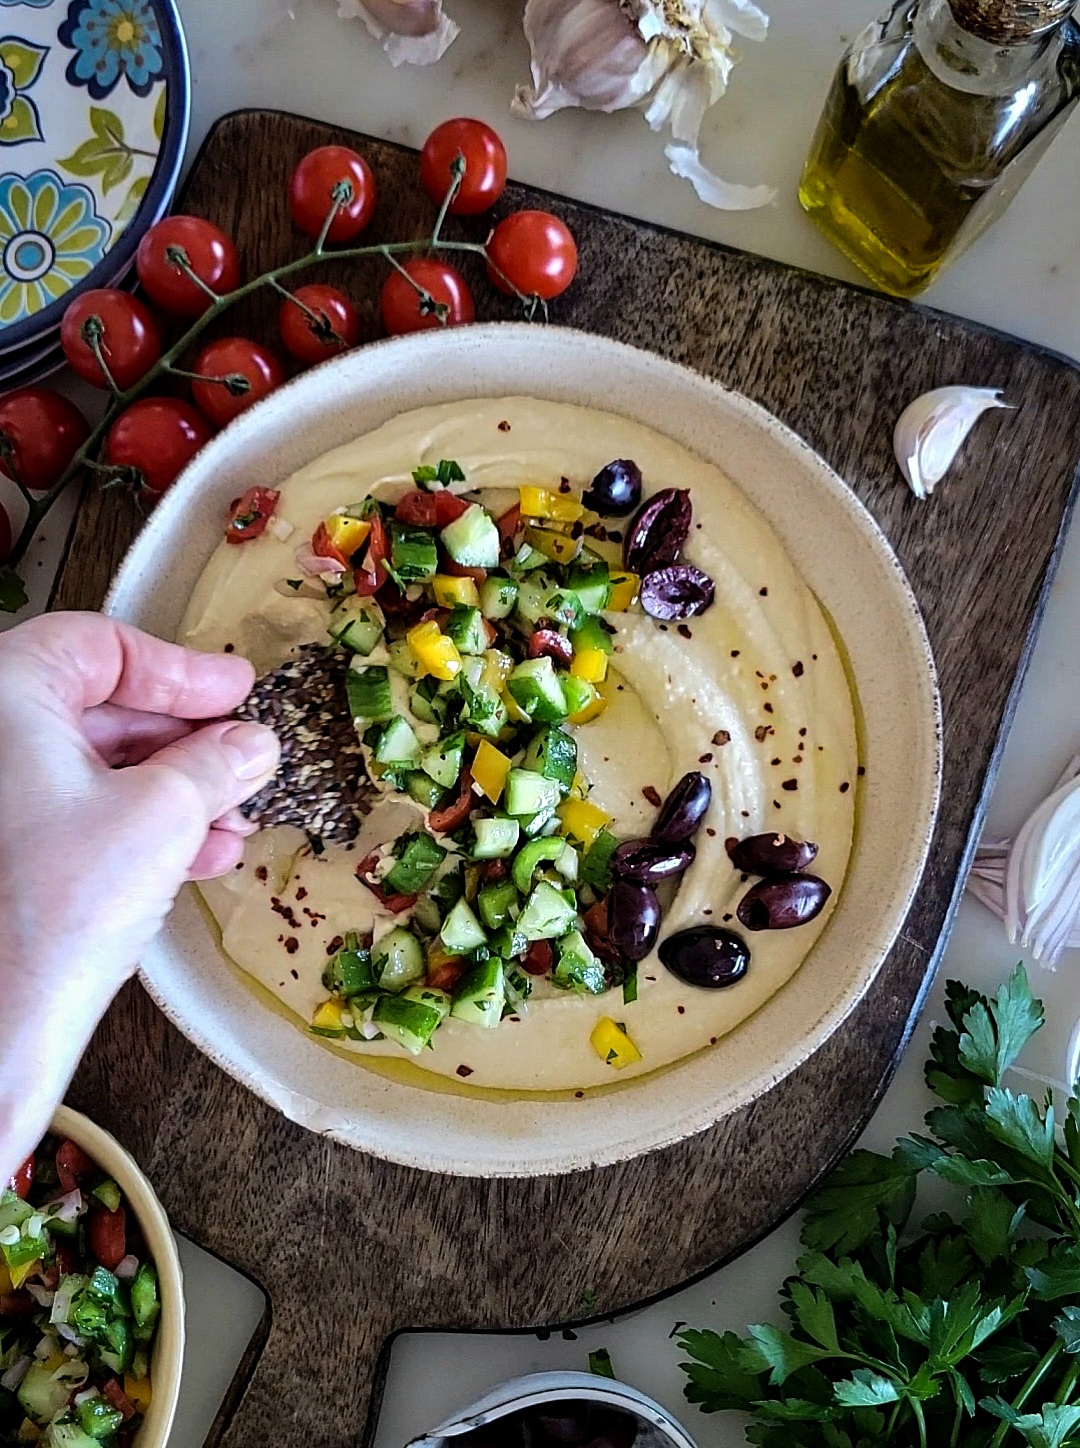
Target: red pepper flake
[776, 761]
[861, 770]
[797, 759]
[745, 813]
[776, 804]
[708, 910]
[564, 485]
[735, 653]
[228, 648]
[292, 945]
[334, 945]
[710, 832]
[302, 894]
[721, 737]
[764, 592]
[764, 683]
[814, 657]
[845, 787]
[261, 872]
[797, 668]
[240, 866]
[579, 1095]
[681, 1010]
[652, 794]
[712, 1040]
[802, 732]
[790, 784]
[295, 974]
[504, 426]
[704, 758]
[662, 627]
[464, 1071]
[684, 631]
[762, 732]
[727, 917]
[768, 707]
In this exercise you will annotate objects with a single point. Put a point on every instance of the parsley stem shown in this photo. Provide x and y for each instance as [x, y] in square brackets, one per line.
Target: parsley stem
[1068, 1383]
[920, 1418]
[1034, 1378]
[958, 1418]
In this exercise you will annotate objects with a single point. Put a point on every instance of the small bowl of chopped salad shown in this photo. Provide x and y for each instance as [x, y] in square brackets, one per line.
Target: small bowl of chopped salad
[91, 1298]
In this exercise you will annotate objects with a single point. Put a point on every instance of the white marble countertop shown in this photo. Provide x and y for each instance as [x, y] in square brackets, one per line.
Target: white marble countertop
[1024, 276]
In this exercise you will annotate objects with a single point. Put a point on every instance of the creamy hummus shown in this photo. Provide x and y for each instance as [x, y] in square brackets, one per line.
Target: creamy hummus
[752, 693]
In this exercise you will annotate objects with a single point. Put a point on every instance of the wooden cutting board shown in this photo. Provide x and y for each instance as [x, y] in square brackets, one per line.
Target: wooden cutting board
[350, 1249]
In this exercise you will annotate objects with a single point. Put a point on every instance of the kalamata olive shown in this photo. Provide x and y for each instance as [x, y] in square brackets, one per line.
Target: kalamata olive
[647, 861]
[633, 913]
[677, 593]
[549, 643]
[659, 529]
[774, 854]
[615, 489]
[706, 955]
[683, 810]
[597, 935]
[782, 902]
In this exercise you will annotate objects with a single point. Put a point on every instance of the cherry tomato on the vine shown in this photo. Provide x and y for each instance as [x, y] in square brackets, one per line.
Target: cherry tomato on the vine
[234, 357]
[535, 252]
[485, 165]
[403, 307]
[5, 535]
[210, 254]
[40, 432]
[128, 337]
[307, 340]
[312, 185]
[157, 436]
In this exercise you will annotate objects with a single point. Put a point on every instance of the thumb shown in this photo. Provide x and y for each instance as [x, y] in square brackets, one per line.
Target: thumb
[226, 763]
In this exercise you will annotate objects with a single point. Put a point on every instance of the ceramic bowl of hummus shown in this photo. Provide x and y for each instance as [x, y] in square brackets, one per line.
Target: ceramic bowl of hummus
[777, 699]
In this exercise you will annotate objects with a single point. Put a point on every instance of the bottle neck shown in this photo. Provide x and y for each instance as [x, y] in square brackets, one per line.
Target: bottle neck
[967, 60]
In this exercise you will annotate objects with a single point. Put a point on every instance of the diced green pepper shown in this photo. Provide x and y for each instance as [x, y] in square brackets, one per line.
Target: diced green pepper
[108, 1193]
[145, 1303]
[417, 857]
[536, 689]
[497, 903]
[413, 554]
[98, 1418]
[596, 866]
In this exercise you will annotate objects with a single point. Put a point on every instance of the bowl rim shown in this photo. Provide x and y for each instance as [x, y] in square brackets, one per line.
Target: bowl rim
[546, 1159]
[166, 1368]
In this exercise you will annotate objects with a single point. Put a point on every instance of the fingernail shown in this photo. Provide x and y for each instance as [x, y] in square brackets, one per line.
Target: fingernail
[252, 748]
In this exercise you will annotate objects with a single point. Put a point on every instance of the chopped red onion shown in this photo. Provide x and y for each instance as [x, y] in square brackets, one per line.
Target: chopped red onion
[315, 566]
[15, 1373]
[127, 1267]
[66, 1208]
[41, 1295]
[68, 1333]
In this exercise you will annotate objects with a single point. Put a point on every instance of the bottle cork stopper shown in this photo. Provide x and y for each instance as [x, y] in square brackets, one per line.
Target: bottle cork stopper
[1006, 22]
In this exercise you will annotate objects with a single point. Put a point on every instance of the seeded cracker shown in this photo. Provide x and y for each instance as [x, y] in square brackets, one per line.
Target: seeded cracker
[321, 785]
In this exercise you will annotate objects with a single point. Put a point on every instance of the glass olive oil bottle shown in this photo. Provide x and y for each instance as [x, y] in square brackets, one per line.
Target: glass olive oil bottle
[936, 116]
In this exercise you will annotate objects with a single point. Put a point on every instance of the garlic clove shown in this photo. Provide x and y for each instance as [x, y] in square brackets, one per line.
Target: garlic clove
[932, 429]
[412, 32]
[713, 190]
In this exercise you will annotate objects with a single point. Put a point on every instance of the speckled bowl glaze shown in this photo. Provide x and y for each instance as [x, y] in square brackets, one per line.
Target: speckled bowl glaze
[168, 1356]
[845, 560]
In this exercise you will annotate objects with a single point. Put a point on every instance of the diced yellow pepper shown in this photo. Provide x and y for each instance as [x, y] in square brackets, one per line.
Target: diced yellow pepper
[497, 669]
[581, 820]
[592, 710]
[347, 534]
[590, 665]
[611, 1043]
[327, 1019]
[53, 1361]
[20, 1274]
[543, 503]
[516, 714]
[451, 591]
[559, 547]
[29, 1432]
[434, 652]
[489, 769]
[138, 1391]
[624, 591]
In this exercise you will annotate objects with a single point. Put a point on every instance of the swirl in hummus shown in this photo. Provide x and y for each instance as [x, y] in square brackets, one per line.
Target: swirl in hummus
[752, 694]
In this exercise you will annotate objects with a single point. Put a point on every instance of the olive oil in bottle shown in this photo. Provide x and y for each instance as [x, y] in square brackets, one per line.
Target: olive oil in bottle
[936, 116]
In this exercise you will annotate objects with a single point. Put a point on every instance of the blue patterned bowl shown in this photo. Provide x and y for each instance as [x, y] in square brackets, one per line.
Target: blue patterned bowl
[94, 107]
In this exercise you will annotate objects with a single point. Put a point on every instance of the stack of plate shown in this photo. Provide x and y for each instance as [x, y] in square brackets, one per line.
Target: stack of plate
[94, 106]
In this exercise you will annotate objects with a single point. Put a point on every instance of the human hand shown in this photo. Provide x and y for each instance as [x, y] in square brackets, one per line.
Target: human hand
[112, 794]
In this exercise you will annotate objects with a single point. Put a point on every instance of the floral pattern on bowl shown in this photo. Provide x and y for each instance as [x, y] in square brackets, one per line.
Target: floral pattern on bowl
[93, 120]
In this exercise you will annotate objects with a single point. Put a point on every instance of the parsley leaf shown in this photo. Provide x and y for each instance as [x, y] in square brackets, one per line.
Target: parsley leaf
[865, 1389]
[726, 1373]
[849, 1208]
[1067, 1327]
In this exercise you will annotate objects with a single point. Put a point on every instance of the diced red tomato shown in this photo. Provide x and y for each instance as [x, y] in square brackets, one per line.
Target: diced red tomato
[394, 903]
[119, 1399]
[372, 575]
[444, 974]
[537, 959]
[67, 1259]
[17, 1304]
[107, 1234]
[549, 643]
[323, 547]
[416, 507]
[458, 570]
[448, 508]
[509, 522]
[249, 515]
[450, 816]
[492, 871]
[23, 1179]
[71, 1163]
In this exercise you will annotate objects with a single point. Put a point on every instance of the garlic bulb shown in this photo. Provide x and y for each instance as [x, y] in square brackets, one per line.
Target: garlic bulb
[670, 58]
[932, 430]
[1033, 883]
[412, 32]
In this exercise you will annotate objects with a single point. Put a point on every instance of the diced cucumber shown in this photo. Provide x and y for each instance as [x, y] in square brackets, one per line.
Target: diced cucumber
[579, 694]
[495, 838]
[426, 915]
[465, 627]
[527, 558]
[13, 1210]
[498, 594]
[409, 1022]
[472, 540]
[544, 822]
[565, 609]
[448, 891]
[413, 554]
[349, 972]
[509, 941]
[591, 635]
[548, 913]
[518, 989]
[98, 1418]
[497, 904]
[67, 1433]
[398, 744]
[553, 753]
[119, 1347]
[529, 859]
[481, 994]
[104, 1287]
[40, 1395]
[357, 624]
[576, 967]
[422, 788]
[397, 959]
[417, 857]
[568, 863]
[403, 661]
[108, 1194]
[427, 702]
[483, 707]
[536, 689]
[533, 595]
[596, 866]
[527, 793]
[443, 761]
[591, 584]
[427, 995]
[461, 931]
[368, 691]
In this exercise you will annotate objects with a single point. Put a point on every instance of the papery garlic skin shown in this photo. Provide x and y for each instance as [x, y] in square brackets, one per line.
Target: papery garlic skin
[412, 32]
[1033, 883]
[669, 58]
[931, 431]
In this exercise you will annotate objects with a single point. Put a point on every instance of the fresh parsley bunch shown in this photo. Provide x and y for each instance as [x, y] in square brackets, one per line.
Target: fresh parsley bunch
[962, 1332]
